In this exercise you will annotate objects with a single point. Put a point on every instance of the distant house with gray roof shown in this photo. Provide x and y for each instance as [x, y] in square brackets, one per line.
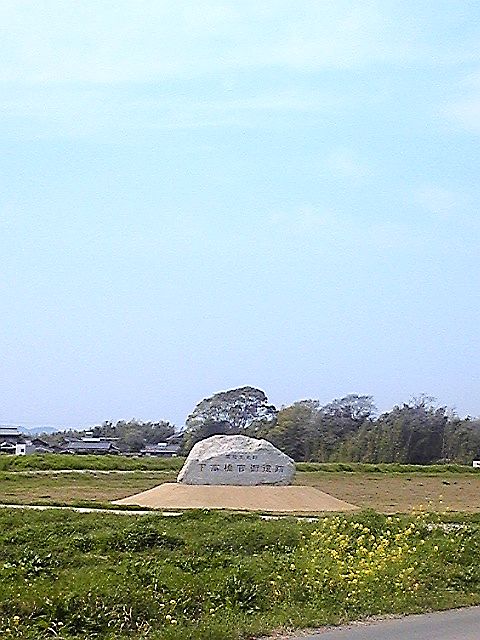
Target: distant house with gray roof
[9, 438]
[161, 449]
[169, 449]
[95, 446]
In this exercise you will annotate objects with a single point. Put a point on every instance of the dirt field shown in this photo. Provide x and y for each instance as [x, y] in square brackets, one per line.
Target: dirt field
[391, 493]
[292, 499]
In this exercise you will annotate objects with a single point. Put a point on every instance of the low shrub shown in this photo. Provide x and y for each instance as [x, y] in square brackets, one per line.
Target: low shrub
[394, 467]
[59, 461]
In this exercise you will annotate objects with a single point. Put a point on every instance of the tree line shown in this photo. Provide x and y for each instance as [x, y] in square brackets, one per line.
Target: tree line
[347, 429]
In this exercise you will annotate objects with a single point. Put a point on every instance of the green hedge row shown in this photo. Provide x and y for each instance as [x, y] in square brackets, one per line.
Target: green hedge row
[57, 462]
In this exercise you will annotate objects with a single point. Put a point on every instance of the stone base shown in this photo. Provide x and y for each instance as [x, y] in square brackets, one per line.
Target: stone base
[290, 499]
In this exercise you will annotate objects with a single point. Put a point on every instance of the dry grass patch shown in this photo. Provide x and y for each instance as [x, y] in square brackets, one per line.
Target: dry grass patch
[36, 488]
[400, 493]
[384, 492]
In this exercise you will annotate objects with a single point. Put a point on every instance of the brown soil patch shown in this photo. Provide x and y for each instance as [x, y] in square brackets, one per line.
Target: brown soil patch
[401, 493]
[291, 499]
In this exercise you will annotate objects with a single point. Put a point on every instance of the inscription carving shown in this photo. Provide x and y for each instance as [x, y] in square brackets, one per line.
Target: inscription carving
[241, 468]
[236, 460]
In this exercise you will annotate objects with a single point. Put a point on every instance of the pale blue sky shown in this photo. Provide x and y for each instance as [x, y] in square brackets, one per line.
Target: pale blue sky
[200, 195]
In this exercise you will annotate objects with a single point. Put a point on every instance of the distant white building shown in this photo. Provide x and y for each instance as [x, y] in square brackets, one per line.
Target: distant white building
[35, 445]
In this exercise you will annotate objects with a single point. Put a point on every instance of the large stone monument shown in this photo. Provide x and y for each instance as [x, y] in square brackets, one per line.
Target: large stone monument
[236, 460]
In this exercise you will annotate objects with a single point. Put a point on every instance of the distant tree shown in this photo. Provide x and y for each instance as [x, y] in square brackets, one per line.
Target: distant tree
[244, 410]
[413, 433]
[462, 440]
[339, 420]
[308, 431]
[296, 430]
[352, 407]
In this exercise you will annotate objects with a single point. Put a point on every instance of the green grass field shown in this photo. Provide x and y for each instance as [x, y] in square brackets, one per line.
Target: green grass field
[212, 576]
[122, 463]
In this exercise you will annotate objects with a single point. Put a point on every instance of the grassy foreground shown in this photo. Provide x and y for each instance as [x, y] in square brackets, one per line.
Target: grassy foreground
[212, 576]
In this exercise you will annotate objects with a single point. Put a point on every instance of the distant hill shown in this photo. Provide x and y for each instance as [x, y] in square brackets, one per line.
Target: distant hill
[35, 431]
